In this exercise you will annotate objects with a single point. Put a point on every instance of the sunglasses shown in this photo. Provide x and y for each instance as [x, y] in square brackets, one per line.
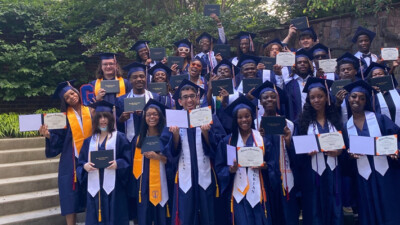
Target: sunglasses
[183, 49]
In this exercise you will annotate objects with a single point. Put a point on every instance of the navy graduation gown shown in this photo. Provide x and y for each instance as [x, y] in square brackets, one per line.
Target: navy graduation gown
[114, 208]
[196, 206]
[112, 97]
[378, 197]
[244, 214]
[294, 99]
[284, 208]
[61, 142]
[321, 195]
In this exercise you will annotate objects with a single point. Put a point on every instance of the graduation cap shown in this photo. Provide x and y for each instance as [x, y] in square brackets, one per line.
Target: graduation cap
[160, 67]
[183, 43]
[373, 66]
[304, 53]
[184, 83]
[325, 84]
[155, 104]
[245, 35]
[62, 88]
[228, 64]
[244, 59]
[102, 106]
[309, 31]
[319, 48]
[269, 86]
[363, 31]
[139, 45]
[106, 55]
[349, 58]
[134, 67]
[275, 41]
[240, 103]
[207, 36]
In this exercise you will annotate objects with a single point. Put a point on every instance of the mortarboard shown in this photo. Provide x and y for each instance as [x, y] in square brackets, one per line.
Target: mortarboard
[62, 88]
[139, 45]
[206, 35]
[160, 67]
[155, 104]
[186, 82]
[102, 106]
[106, 55]
[309, 31]
[134, 67]
[183, 43]
[227, 63]
[275, 41]
[244, 59]
[319, 47]
[304, 53]
[349, 58]
[240, 103]
[363, 31]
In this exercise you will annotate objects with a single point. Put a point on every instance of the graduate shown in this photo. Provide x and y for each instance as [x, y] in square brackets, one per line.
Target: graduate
[377, 176]
[68, 143]
[301, 72]
[246, 46]
[161, 73]
[150, 169]
[319, 173]
[249, 203]
[388, 101]
[248, 69]
[192, 151]
[184, 49]
[143, 53]
[363, 38]
[106, 195]
[307, 37]
[109, 69]
[321, 52]
[194, 71]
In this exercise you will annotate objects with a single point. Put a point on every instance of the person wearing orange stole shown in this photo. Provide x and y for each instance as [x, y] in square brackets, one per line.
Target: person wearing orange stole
[68, 143]
[249, 203]
[109, 69]
[150, 168]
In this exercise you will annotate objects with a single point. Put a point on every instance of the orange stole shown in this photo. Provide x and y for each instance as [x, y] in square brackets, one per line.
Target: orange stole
[121, 86]
[154, 175]
[77, 135]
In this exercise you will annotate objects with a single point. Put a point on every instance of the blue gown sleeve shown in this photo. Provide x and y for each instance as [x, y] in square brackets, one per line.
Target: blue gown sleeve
[55, 144]
[221, 167]
[215, 135]
[83, 159]
[123, 154]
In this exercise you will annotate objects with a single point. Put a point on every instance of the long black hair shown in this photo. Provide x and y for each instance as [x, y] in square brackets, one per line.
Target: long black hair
[235, 128]
[64, 105]
[309, 115]
[144, 127]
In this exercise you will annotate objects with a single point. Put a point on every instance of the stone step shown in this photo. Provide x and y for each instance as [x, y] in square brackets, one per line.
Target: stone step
[37, 217]
[28, 168]
[17, 185]
[17, 143]
[26, 202]
[19, 155]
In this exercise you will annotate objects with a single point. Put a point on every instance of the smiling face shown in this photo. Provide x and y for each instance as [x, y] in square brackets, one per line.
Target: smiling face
[71, 98]
[357, 101]
[224, 72]
[317, 98]
[347, 71]
[244, 119]
[108, 67]
[143, 54]
[183, 52]
[188, 99]
[205, 44]
[152, 117]
[103, 122]
[244, 46]
[269, 101]
[138, 81]
[302, 65]
[249, 70]
[363, 43]
[306, 42]
[160, 76]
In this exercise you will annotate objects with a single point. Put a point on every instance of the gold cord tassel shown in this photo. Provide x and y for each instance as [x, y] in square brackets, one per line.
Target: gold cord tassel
[168, 213]
[99, 207]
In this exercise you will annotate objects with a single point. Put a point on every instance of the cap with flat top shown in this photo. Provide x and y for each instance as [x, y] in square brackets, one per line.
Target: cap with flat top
[62, 88]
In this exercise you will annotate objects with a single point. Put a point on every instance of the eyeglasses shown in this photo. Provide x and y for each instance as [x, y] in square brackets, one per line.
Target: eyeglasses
[186, 97]
[183, 49]
[108, 64]
[196, 65]
[151, 114]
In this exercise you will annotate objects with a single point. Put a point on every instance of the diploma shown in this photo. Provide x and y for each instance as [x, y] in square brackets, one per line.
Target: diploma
[157, 54]
[273, 124]
[210, 9]
[134, 104]
[384, 83]
[331, 141]
[175, 60]
[151, 143]
[300, 23]
[362, 145]
[230, 155]
[177, 118]
[110, 86]
[176, 80]
[389, 54]
[328, 65]
[200, 116]
[338, 85]
[30, 122]
[101, 158]
[386, 145]
[304, 144]
[286, 58]
[250, 83]
[55, 120]
[159, 88]
[223, 50]
[268, 62]
[217, 85]
[250, 156]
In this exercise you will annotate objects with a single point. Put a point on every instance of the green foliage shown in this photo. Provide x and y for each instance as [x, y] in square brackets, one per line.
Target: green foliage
[9, 125]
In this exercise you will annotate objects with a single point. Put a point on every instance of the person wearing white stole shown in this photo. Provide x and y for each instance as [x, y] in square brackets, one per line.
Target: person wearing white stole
[192, 151]
[321, 52]
[280, 159]
[106, 194]
[319, 173]
[377, 177]
[249, 203]
[150, 168]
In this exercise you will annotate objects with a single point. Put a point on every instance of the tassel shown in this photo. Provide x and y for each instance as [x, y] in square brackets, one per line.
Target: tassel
[216, 184]
[140, 190]
[283, 190]
[232, 211]
[177, 220]
[99, 207]
[168, 214]
[287, 194]
[233, 76]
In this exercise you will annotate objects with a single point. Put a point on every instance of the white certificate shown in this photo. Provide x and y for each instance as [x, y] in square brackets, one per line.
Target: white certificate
[200, 116]
[390, 54]
[55, 120]
[286, 58]
[304, 144]
[362, 145]
[386, 145]
[328, 65]
[331, 141]
[177, 118]
[230, 154]
[30, 122]
[250, 156]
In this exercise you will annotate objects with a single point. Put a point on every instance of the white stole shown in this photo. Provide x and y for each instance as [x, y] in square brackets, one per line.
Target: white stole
[185, 167]
[164, 185]
[242, 181]
[109, 174]
[318, 160]
[235, 61]
[363, 166]
[284, 161]
[385, 109]
[130, 123]
[344, 112]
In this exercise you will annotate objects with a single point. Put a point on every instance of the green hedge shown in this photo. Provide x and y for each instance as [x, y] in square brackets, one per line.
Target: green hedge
[9, 125]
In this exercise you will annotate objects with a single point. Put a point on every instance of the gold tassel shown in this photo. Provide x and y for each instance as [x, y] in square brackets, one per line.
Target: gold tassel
[75, 179]
[176, 178]
[168, 214]
[99, 207]
[232, 204]
[216, 184]
[140, 190]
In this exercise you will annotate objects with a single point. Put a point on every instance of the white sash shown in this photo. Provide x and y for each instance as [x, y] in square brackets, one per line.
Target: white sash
[242, 180]
[385, 109]
[266, 75]
[164, 185]
[284, 161]
[109, 174]
[235, 61]
[318, 160]
[185, 167]
[345, 114]
[363, 166]
[130, 124]
[330, 76]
